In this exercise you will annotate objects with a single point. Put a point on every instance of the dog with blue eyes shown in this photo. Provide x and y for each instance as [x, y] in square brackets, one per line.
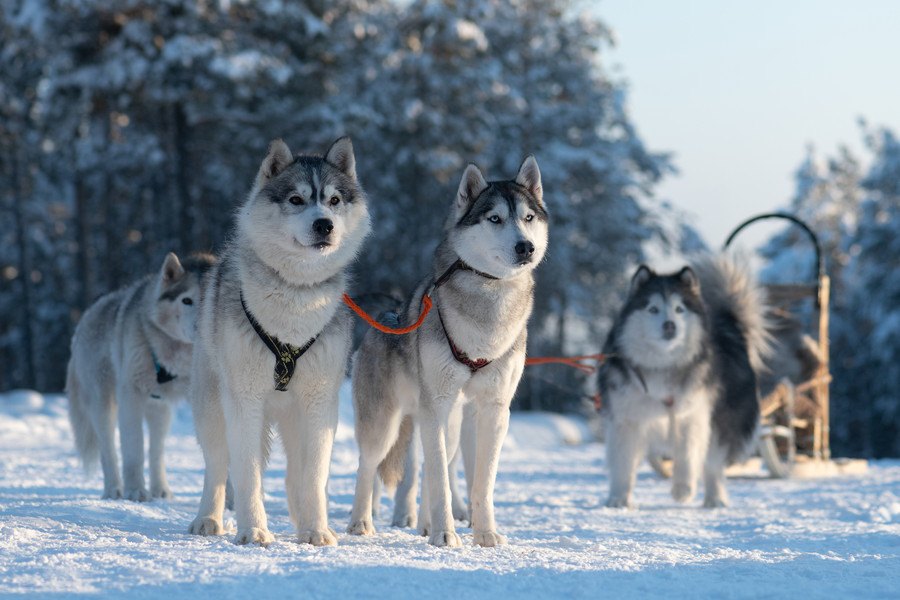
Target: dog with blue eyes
[681, 378]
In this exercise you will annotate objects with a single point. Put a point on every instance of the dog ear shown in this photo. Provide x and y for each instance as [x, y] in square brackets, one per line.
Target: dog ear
[276, 161]
[641, 276]
[688, 278]
[470, 186]
[529, 177]
[171, 270]
[341, 156]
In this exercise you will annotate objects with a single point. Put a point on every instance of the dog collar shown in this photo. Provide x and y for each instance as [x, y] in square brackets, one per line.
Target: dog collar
[286, 355]
[458, 265]
[162, 374]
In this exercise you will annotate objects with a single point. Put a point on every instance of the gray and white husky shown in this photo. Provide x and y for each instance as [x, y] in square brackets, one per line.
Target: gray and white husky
[470, 349]
[273, 340]
[131, 356]
[685, 354]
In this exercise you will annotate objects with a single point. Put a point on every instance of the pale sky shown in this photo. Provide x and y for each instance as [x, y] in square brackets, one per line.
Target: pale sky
[737, 90]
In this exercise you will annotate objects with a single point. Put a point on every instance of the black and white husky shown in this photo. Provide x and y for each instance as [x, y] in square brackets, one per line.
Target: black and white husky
[685, 353]
[470, 350]
[273, 340]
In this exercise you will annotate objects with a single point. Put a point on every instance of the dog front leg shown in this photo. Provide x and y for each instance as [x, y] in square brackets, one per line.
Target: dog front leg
[159, 418]
[209, 422]
[131, 436]
[491, 423]
[317, 421]
[244, 422]
[690, 446]
[625, 445]
[434, 424]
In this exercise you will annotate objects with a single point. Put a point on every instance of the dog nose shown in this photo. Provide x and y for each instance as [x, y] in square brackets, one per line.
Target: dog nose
[323, 226]
[524, 249]
[668, 330]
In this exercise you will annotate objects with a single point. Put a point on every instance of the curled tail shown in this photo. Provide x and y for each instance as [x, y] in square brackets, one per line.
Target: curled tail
[728, 285]
[391, 468]
[86, 442]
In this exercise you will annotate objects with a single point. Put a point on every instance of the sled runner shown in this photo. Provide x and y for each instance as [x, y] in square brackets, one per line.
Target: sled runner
[794, 437]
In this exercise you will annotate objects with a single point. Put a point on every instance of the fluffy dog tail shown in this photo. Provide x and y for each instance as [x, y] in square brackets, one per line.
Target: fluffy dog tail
[86, 442]
[392, 467]
[727, 284]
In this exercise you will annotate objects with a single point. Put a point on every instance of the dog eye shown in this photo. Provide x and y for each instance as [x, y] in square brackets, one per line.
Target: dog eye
[334, 201]
[494, 219]
[295, 200]
[679, 309]
[529, 218]
[653, 310]
[187, 301]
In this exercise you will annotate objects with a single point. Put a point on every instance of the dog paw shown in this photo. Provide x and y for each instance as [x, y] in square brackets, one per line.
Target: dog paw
[206, 526]
[325, 537]
[254, 535]
[714, 502]
[445, 539]
[619, 502]
[163, 492]
[683, 492]
[139, 494]
[489, 539]
[406, 521]
[361, 527]
[112, 493]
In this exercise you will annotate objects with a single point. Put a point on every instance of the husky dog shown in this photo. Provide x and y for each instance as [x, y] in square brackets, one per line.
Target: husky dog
[273, 340]
[470, 349]
[131, 355]
[685, 354]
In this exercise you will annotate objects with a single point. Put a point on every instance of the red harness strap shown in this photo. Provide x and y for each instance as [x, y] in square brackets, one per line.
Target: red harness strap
[459, 355]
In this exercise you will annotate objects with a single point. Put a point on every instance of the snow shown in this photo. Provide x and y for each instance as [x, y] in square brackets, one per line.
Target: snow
[787, 538]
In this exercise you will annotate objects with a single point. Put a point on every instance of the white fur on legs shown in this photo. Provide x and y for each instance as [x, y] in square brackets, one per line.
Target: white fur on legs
[714, 493]
[457, 504]
[159, 418]
[104, 423]
[209, 422]
[131, 434]
[405, 514]
[689, 448]
[318, 421]
[441, 530]
[625, 446]
[372, 450]
[467, 449]
[245, 427]
[492, 422]
[376, 498]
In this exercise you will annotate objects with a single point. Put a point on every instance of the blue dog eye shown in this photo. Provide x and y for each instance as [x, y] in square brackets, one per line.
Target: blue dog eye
[494, 219]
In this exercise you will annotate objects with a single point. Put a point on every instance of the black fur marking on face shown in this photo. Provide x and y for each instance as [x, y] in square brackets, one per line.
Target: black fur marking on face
[171, 294]
[665, 286]
[282, 187]
[508, 191]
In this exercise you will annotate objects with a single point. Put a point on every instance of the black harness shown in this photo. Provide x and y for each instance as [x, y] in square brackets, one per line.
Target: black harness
[286, 355]
[474, 364]
[162, 375]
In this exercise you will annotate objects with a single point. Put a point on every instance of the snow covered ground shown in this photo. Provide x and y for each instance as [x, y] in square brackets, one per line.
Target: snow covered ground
[799, 539]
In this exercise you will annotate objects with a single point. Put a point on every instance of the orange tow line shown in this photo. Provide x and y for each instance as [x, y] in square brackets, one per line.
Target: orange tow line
[576, 362]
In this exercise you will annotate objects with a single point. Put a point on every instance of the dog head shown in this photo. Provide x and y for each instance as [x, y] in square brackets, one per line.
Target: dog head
[177, 295]
[663, 318]
[306, 216]
[500, 227]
